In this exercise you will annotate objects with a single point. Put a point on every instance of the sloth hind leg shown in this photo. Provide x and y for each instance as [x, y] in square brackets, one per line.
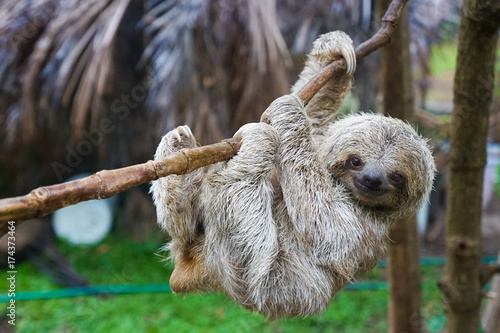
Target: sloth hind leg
[190, 274]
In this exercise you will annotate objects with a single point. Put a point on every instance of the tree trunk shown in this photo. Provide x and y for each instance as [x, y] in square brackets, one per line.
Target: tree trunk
[403, 259]
[404, 278]
[471, 102]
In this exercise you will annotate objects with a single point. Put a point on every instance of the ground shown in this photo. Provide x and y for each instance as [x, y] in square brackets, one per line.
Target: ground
[122, 262]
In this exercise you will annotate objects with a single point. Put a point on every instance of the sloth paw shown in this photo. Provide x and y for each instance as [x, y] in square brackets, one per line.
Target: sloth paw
[259, 147]
[257, 132]
[175, 140]
[333, 46]
[181, 137]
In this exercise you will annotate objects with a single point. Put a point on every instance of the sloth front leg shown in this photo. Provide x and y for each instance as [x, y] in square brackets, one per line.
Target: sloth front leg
[318, 209]
[173, 197]
[241, 235]
[322, 108]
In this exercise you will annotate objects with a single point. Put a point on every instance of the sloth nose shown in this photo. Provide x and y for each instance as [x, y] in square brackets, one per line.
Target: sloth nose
[372, 180]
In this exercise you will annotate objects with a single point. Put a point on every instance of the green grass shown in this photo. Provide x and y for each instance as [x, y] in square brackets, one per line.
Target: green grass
[123, 262]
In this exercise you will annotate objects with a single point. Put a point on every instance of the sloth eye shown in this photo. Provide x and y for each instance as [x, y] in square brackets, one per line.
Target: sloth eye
[397, 178]
[356, 162]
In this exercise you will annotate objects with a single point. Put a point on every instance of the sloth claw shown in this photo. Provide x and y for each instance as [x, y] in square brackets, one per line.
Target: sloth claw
[350, 58]
[333, 45]
[181, 137]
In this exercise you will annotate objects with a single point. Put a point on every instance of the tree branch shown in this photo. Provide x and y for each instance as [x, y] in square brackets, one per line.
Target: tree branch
[107, 183]
[486, 272]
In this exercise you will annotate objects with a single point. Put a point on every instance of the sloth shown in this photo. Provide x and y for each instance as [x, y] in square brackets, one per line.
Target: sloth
[303, 208]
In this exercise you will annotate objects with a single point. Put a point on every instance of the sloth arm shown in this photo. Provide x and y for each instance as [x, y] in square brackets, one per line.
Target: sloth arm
[239, 199]
[323, 221]
[322, 108]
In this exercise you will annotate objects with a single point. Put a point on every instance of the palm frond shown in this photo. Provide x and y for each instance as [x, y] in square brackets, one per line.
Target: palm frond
[66, 61]
[169, 26]
[216, 47]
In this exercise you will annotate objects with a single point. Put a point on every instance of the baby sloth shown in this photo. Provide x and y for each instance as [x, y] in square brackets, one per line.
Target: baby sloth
[303, 208]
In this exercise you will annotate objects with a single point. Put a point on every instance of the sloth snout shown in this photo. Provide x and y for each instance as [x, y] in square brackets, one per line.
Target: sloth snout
[373, 181]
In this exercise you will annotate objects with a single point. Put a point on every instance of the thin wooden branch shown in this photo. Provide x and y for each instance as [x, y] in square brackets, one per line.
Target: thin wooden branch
[486, 272]
[383, 36]
[107, 183]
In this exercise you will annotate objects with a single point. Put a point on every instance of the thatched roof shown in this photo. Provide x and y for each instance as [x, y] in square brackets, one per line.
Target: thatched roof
[149, 65]
[60, 56]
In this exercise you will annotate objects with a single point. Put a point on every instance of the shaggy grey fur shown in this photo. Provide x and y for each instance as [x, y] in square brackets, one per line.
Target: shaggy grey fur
[302, 209]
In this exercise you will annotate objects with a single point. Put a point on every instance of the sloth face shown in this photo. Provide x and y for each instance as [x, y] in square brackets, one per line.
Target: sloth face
[382, 161]
[372, 184]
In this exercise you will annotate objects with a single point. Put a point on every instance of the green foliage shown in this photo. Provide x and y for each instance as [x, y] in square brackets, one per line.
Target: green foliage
[497, 63]
[122, 262]
[350, 105]
[443, 58]
[497, 183]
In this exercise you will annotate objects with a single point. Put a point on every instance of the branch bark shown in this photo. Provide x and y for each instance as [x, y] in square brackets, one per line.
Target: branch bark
[106, 183]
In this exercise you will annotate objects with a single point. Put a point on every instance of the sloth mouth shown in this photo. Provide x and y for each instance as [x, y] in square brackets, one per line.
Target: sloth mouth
[370, 191]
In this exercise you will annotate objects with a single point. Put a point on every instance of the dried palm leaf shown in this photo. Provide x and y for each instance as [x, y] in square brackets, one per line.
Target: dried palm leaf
[219, 52]
[21, 23]
[169, 25]
[72, 66]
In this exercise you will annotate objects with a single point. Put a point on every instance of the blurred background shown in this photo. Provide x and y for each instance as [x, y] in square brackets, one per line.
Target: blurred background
[87, 85]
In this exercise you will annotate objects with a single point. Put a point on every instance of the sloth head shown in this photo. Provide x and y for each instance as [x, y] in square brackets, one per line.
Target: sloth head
[382, 161]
